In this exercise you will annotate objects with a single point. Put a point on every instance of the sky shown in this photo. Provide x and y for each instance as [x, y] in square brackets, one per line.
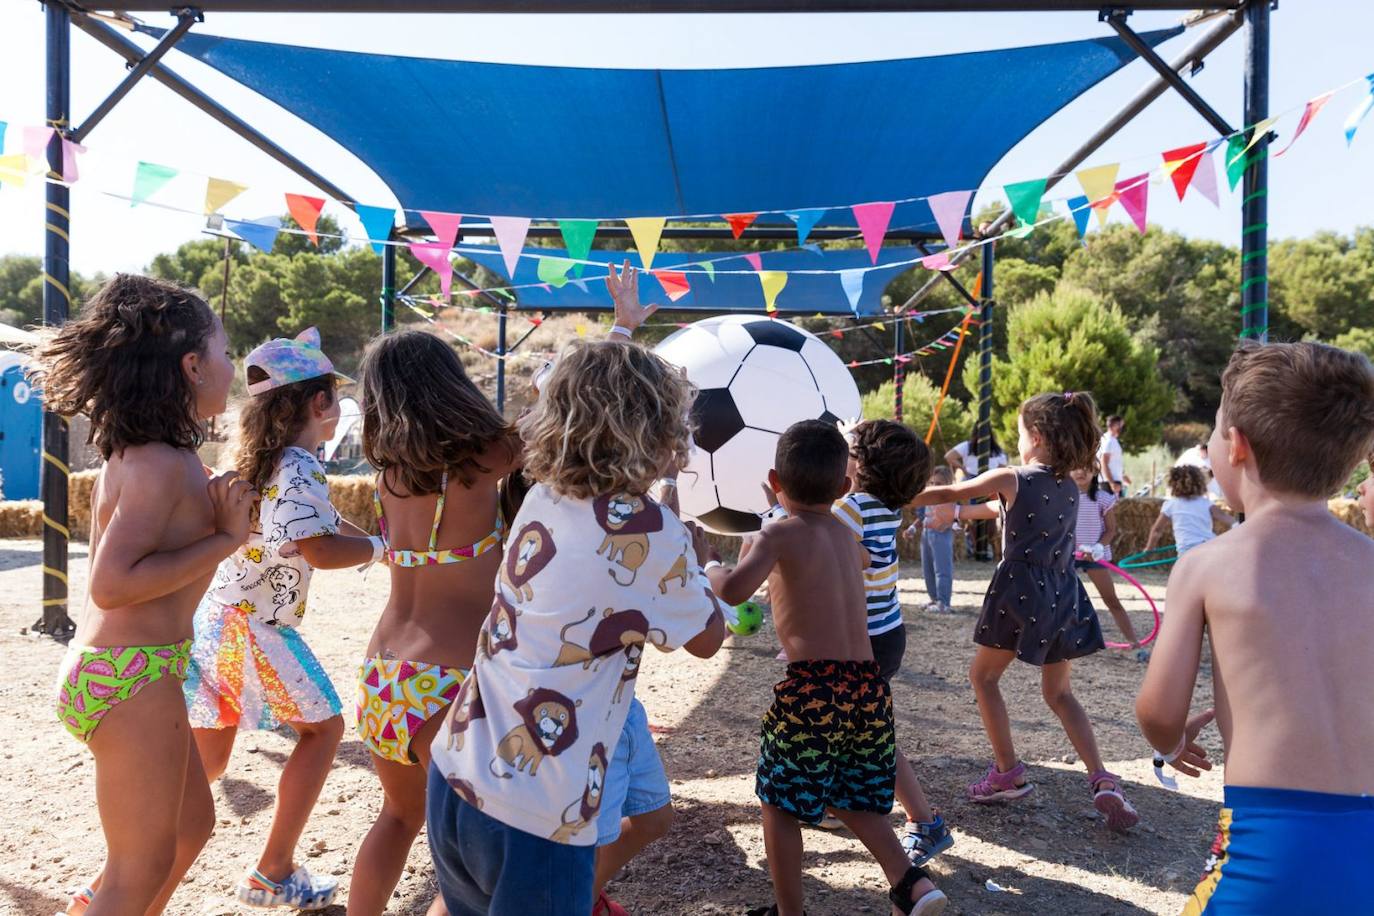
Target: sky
[1316, 45]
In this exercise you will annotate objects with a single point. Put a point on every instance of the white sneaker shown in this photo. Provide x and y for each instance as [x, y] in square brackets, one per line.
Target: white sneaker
[301, 891]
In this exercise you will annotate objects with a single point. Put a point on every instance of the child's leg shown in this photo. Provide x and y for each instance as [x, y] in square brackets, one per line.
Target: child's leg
[909, 793]
[944, 566]
[782, 843]
[1102, 578]
[928, 566]
[154, 815]
[297, 791]
[215, 745]
[874, 831]
[1054, 685]
[984, 674]
[636, 833]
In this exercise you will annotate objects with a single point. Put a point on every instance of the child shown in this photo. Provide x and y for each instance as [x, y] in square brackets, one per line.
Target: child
[594, 570]
[1365, 493]
[148, 363]
[250, 668]
[887, 463]
[1189, 509]
[1036, 609]
[1284, 600]
[936, 526]
[1094, 535]
[827, 740]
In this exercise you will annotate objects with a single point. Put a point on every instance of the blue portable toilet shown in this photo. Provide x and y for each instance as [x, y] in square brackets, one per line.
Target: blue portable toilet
[21, 429]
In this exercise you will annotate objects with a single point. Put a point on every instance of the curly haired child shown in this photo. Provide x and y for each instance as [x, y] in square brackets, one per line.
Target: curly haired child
[1189, 511]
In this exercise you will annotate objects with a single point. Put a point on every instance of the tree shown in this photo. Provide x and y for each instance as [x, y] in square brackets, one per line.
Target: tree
[199, 264]
[1324, 284]
[919, 396]
[1072, 341]
[1361, 340]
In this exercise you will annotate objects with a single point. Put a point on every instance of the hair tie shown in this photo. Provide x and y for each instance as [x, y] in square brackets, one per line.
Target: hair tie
[1068, 397]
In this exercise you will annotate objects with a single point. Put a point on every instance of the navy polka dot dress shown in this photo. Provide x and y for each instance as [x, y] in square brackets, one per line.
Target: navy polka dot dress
[1035, 605]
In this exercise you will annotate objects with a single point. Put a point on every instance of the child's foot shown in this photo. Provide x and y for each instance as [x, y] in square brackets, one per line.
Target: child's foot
[924, 840]
[996, 786]
[917, 895]
[605, 906]
[78, 902]
[300, 891]
[1110, 803]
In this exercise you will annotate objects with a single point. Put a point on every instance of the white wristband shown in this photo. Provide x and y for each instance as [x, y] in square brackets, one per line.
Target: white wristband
[668, 483]
[711, 564]
[1178, 751]
[621, 329]
[378, 548]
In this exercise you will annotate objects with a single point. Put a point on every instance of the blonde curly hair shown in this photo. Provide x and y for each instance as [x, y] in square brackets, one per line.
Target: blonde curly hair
[612, 417]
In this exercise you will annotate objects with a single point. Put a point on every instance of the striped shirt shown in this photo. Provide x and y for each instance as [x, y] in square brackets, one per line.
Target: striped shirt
[1092, 519]
[875, 526]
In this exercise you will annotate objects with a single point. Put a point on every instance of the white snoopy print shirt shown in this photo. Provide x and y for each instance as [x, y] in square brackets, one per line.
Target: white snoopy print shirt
[267, 577]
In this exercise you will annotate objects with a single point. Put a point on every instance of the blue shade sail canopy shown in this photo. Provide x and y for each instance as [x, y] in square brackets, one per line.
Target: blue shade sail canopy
[571, 142]
[730, 291]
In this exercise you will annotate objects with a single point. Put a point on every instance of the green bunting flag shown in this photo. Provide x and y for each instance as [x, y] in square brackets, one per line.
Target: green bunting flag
[554, 271]
[1024, 197]
[577, 238]
[148, 179]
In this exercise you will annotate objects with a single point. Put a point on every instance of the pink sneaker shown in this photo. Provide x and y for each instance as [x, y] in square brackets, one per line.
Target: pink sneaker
[996, 786]
[1111, 804]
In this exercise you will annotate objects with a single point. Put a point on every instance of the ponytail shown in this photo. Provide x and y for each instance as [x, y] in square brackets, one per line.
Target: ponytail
[1067, 424]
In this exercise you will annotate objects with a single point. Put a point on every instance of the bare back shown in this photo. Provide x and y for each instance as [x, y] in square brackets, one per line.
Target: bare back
[817, 589]
[148, 499]
[1288, 604]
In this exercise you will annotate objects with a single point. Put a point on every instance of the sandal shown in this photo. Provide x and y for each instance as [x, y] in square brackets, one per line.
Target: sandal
[766, 911]
[1110, 803]
[931, 903]
[605, 906]
[80, 898]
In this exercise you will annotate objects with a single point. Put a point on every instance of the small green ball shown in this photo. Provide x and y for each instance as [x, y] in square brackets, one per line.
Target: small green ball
[749, 617]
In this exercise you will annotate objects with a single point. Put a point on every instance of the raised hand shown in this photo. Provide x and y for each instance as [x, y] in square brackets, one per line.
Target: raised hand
[1194, 758]
[233, 500]
[629, 314]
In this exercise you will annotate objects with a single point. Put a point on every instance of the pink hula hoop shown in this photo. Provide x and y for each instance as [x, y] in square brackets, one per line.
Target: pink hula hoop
[1140, 588]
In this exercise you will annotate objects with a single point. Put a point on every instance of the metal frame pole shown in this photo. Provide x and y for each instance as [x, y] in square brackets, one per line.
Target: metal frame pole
[388, 288]
[1254, 233]
[186, 19]
[57, 301]
[982, 435]
[898, 370]
[501, 360]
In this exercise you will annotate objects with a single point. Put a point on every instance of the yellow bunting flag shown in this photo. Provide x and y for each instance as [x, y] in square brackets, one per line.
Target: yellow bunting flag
[880, 326]
[1260, 131]
[14, 169]
[646, 231]
[1099, 184]
[772, 281]
[219, 192]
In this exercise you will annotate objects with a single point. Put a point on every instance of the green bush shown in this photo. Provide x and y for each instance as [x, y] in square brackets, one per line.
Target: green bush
[919, 396]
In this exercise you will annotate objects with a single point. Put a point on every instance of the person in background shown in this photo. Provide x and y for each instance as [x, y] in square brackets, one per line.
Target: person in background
[935, 525]
[965, 463]
[1109, 458]
[1189, 510]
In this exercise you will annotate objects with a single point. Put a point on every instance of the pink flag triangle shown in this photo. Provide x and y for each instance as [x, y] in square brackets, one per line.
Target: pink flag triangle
[69, 150]
[510, 236]
[755, 260]
[1205, 178]
[948, 209]
[445, 225]
[36, 140]
[873, 219]
[435, 256]
[1133, 194]
[674, 283]
[937, 261]
[1308, 113]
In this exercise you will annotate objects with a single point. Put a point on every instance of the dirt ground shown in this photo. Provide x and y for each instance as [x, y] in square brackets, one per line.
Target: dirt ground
[1048, 855]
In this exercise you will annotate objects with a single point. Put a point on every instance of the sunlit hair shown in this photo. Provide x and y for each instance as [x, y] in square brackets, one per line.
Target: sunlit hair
[1307, 410]
[422, 415]
[1187, 482]
[892, 461]
[1067, 425]
[611, 418]
[119, 363]
[941, 476]
[271, 421]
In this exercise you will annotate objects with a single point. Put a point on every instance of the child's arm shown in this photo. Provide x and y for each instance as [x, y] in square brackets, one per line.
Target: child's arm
[624, 289]
[1001, 483]
[1108, 527]
[1162, 524]
[1162, 705]
[128, 568]
[706, 643]
[1219, 516]
[978, 511]
[735, 586]
[337, 551]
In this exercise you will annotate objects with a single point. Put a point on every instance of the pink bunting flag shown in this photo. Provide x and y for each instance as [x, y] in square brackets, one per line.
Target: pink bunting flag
[937, 261]
[755, 260]
[1309, 112]
[510, 237]
[1205, 178]
[435, 256]
[674, 283]
[36, 141]
[1133, 194]
[948, 209]
[69, 150]
[873, 220]
[445, 225]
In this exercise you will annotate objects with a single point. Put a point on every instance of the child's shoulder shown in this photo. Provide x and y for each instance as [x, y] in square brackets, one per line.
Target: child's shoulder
[156, 464]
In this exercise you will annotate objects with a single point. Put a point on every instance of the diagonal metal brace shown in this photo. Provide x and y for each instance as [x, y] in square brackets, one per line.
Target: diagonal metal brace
[186, 18]
[1116, 18]
[949, 275]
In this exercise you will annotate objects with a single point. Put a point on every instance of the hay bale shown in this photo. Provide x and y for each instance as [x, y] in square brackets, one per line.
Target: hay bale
[21, 518]
[80, 489]
[1134, 518]
[352, 496]
[1349, 511]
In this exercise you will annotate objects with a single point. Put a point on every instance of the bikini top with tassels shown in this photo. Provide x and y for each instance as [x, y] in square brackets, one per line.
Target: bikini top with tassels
[434, 556]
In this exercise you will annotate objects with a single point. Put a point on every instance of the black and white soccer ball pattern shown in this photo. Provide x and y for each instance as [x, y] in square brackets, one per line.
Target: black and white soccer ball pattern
[756, 376]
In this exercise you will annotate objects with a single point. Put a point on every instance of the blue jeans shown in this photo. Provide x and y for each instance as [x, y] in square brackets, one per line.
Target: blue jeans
[937, 561]
[486, 867]
[635, 781]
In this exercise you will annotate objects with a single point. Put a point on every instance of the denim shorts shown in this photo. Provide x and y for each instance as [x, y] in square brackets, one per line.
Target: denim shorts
[635, 781]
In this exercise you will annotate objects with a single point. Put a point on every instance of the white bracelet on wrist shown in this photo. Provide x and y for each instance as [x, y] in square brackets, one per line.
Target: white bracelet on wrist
[712, 564]
[621, 329]
[1176, 752]
[378, 548]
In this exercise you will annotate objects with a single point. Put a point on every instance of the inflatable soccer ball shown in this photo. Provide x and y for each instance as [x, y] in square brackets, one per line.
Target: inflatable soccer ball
[748, 619]
[756, 376]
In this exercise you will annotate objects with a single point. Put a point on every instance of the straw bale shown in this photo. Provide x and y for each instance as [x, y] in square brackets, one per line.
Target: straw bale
[352, 496]
[79, 491]
[21, 518]
[1348, 511]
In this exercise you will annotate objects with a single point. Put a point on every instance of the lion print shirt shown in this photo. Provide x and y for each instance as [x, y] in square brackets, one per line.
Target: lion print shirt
[584, 585]
[267, 578]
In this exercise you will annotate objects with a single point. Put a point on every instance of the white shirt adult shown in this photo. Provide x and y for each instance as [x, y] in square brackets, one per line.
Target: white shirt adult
[1109, 459]
[962, 456]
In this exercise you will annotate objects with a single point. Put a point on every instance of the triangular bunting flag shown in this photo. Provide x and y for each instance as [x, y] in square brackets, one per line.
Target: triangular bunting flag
[578, 282]
[510, 238]
[674, 283]
[772, 282]
[710, 268]
[577, 238]
[948, 209]
[739, 222]
[1309, 112]
[1080, 209]
[1257, 134]
[852, 281]
[873, 220]
[1205, 178]
[219, 192]
[148, 177]
[1134, 195]
[554, 271]
[306, 212]
[937, 261]
[445, 225]
[1352, 121]
[1236, 160]
[1099, 184]
[14, 169]
[435, 256]
[69, 150]
[377, 223]
[755, 260]
[1181, 163]
[260, 233]
[806, 221]
[1024, 197]
[646, 231]
[3, 125]
[36, 140]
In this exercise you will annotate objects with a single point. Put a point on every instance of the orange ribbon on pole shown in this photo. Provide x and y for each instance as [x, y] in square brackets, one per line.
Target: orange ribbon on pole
[953, 360]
